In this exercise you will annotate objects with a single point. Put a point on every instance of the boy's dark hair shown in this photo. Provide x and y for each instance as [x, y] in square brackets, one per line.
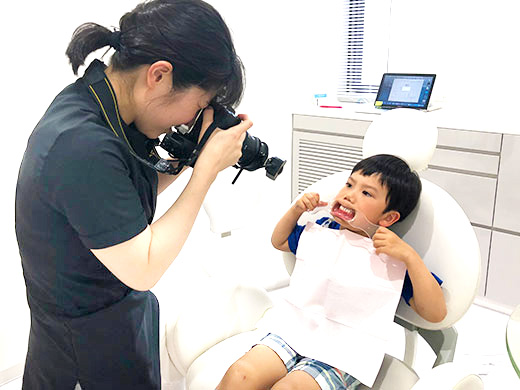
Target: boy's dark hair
[190, 34]
[403, 185]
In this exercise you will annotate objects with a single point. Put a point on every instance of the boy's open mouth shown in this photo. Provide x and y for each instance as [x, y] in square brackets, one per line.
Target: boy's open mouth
[342, 212]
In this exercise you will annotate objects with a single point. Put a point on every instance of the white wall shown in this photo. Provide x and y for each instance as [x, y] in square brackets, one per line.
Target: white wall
[472, 46]
[290, 49]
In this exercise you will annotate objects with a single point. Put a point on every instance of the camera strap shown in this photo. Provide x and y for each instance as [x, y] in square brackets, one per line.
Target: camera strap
[202, 142]
[100, 88]
[200, 145]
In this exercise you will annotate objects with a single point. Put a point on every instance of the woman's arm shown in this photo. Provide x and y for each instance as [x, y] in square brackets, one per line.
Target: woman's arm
[141, 261]
[164, 180]
[428, 299]
[285, 226]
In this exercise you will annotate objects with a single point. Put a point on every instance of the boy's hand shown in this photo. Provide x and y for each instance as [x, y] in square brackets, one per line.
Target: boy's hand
[428, 299]
[284, 227]
[387, 242]
[308, 202]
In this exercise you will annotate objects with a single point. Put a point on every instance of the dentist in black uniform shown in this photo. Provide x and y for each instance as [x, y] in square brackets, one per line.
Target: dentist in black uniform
[85, 203]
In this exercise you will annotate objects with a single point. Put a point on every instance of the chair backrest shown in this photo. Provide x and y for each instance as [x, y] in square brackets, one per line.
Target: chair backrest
[439, 230]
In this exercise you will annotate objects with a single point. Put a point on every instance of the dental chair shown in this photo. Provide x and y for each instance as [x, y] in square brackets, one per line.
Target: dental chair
[221, 322]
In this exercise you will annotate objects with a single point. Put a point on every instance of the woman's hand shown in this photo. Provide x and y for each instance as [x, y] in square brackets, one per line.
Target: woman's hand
[224, 147]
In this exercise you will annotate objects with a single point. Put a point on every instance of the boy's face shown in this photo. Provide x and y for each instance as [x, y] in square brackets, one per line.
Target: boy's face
[363, 194]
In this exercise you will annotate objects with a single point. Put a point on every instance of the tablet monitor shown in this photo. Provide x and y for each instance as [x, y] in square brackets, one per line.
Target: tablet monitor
[407, 90]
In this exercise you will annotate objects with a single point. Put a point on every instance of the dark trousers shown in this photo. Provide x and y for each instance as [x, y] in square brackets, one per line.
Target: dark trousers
[114, 348]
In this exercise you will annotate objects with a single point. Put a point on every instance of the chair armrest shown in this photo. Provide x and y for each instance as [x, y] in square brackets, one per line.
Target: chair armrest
[219, 311]
[171, 378]
[289, 260]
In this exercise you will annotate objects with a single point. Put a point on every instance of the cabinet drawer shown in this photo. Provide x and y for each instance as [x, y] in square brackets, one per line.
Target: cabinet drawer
[331, 125]
[504, 269]
[472, 140]
[466, 161]
[475, 194]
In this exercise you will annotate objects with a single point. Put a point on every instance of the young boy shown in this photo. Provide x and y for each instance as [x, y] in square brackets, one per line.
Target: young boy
[337, 319]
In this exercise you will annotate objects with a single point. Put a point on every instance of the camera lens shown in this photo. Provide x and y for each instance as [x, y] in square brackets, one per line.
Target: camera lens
[254, 153]
[273, 167]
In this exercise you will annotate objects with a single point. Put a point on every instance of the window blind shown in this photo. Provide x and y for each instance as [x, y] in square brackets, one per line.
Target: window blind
[364, 59]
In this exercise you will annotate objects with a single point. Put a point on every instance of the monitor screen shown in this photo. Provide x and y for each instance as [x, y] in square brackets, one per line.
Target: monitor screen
[405, 90]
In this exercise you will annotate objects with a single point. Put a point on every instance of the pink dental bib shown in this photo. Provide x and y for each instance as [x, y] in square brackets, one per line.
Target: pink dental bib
[341, 301]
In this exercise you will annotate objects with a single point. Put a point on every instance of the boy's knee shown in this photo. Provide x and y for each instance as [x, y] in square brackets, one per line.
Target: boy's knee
[286, 385]
[241, 375]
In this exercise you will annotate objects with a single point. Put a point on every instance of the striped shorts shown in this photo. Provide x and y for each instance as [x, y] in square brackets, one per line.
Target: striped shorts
[329, 378]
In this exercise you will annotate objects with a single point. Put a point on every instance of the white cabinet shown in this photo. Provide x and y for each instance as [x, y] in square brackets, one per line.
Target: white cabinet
[507, 213]
[466, 164]
[479, 169]
[503, 284]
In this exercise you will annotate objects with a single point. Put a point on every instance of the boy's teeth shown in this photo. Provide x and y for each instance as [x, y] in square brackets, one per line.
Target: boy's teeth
[345, 209]
[344, 213]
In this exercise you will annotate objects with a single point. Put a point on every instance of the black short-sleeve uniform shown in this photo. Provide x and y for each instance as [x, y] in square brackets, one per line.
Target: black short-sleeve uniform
[80, 188]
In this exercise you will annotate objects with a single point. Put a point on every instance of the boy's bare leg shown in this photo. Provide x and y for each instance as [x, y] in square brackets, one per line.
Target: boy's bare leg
[297, 380]
[258, 369]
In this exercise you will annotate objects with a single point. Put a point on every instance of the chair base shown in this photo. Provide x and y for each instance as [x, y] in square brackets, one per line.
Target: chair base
[394, 374]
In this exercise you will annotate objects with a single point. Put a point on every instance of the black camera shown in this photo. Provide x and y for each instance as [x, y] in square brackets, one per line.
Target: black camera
[184, 146]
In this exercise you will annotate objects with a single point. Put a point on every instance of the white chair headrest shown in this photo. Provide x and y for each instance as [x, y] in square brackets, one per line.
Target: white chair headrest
[406, 133]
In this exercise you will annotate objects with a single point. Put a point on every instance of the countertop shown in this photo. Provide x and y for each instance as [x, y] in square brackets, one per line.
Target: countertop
[485, 120]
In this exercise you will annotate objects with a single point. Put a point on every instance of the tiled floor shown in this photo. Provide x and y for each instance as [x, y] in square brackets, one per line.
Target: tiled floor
[481, 350]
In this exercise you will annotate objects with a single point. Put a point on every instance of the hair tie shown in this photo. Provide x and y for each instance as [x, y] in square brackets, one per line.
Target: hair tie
[115, 40]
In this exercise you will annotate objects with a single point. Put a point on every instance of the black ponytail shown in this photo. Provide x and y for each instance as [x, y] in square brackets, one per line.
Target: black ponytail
[86, 39]
[190, 34]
